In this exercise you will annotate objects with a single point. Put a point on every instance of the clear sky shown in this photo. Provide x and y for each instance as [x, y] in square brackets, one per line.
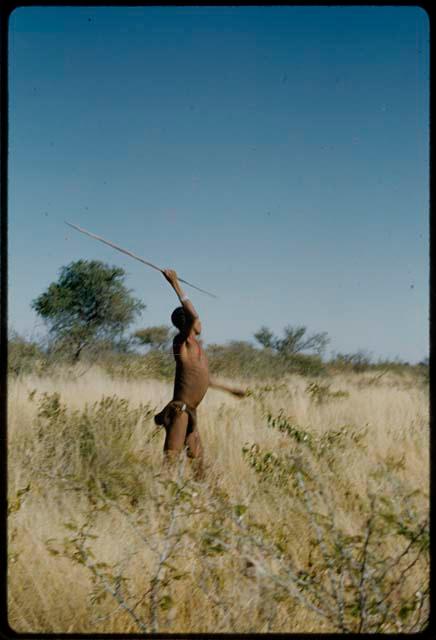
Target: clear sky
[276, 156]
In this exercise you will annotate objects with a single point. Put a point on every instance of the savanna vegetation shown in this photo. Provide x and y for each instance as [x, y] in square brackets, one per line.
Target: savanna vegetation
[313, 516]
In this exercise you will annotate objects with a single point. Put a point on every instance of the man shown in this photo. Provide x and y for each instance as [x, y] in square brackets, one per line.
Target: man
[192, 381]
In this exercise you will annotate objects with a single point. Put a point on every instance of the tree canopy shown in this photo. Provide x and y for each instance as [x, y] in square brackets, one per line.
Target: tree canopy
[88, 303]
[157, 337]
[295, 340]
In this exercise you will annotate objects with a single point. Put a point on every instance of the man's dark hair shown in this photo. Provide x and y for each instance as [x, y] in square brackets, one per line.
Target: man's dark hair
[178, 318]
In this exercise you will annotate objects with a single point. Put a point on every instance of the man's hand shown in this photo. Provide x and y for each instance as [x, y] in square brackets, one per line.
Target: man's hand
[172, 278]
[170, 275]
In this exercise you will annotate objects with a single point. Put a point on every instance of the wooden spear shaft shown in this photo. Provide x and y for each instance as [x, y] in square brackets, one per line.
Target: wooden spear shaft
[132, 255]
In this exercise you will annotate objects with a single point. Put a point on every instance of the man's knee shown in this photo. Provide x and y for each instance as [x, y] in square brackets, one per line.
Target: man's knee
[194, 446]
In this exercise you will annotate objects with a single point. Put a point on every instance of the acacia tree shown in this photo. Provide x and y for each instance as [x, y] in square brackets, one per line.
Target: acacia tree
[295, 340]
[157, 337]
[266, 338]
[89, 303]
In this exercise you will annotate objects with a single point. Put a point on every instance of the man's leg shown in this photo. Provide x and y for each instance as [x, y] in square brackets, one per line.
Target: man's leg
[176, 435]
[195, 451]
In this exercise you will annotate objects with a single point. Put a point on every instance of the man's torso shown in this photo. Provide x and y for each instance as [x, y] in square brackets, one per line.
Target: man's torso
[192, 371]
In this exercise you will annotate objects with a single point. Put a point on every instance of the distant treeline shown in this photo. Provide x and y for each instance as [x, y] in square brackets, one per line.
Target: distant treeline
[147, 353]
[88, 312]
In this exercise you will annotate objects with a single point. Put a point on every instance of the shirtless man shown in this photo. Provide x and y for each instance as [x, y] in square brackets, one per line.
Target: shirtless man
[192, 381]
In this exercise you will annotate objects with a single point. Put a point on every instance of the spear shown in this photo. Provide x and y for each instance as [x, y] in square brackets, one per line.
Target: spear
[132, 255]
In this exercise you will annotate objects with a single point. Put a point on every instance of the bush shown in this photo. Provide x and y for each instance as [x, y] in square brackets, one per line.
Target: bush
[157, 337]
[154, 364]
[239, 359]
[92, 445]
[317, 534]
[357, 362]
[305, 365]
[22, 355]
[375, 581]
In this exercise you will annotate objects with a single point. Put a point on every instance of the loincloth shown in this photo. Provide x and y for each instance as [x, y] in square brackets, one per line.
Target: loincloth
[174, 408]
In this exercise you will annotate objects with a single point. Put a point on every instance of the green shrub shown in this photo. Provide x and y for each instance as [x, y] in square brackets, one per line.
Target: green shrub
[357, 362]
[321, 393]
[92, 445]
[154, 364]
[23, 355]
[243, 360]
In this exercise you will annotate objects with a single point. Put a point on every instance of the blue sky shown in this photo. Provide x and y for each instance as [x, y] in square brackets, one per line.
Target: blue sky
[277, 156]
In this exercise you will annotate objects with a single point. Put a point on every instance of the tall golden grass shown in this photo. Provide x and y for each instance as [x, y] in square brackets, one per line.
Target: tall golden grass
[102, 539]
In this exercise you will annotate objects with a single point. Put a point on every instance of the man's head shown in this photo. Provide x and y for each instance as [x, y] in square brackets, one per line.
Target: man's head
[178, 318]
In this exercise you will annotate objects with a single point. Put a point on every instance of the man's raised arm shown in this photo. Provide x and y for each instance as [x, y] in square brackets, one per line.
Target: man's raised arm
[191, 314]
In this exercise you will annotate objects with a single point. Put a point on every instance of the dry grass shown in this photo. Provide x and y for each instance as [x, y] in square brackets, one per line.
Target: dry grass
[52, 591]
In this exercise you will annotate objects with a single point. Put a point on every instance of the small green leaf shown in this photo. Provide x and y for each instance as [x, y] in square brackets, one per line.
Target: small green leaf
[23, 491]
[405, 610]
[239, 509]
[165, 603]
[179, 576]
